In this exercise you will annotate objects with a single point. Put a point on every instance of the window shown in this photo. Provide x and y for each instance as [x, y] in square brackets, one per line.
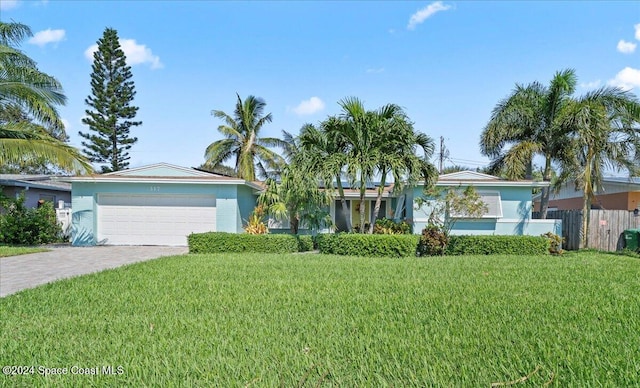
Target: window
[492, 200]
[273, 223]
[494, 203]
[48, 198]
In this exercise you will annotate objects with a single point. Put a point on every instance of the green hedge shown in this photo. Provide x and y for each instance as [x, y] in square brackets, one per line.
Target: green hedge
[363, 244]
[497, 245]
[215, 242]
[395, 245]
[305, 243]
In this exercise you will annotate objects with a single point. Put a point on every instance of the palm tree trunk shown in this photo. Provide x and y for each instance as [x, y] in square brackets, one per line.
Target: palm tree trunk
[343, 201]
[544, 199]
[363, 190]
[587, 194]
[294, 223]
[376, 208]
[529, 171]
[586, 212]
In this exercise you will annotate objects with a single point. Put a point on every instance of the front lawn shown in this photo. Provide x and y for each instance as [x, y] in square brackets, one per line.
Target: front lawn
[6, 251]
[306, 320]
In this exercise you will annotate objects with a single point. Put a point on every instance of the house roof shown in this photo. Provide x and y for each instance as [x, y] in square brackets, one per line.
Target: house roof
[465, 178]
[369, 193]
[631, 181]
[163, 173]
[44, 182]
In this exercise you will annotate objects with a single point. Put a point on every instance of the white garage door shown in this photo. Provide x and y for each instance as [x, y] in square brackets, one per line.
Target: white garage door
[153, 219]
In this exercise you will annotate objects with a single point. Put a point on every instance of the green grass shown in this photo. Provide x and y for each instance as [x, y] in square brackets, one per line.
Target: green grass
[6, 251]
[303, 320]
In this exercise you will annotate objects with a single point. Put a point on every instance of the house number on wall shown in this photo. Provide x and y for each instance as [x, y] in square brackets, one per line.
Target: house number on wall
[155, 188]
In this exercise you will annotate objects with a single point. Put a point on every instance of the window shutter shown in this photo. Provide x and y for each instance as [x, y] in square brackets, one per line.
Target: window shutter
[494, 203]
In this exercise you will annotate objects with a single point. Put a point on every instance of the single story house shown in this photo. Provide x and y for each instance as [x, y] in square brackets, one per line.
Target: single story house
[615, 194]
[36, 188]
[162, 204]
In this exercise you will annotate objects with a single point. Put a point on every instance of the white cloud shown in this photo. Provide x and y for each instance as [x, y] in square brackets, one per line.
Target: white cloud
[44, 37]
[627, 78]
[591, 85]
[637, 27]
[310, 106]
[6, 5]
[67, 125]
[136, 53]
[626, 47]
[375, 71]
[426, 12]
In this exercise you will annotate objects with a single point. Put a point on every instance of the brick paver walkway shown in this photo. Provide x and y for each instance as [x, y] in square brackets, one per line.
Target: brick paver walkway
[27, 271]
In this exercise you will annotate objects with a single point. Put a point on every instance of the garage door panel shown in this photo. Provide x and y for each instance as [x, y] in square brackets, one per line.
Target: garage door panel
[153, 219]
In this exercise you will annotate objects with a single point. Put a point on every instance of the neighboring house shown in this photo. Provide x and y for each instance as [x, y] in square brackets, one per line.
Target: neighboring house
[509, 206]
[616, 194]
[36, 188]
[160, 204]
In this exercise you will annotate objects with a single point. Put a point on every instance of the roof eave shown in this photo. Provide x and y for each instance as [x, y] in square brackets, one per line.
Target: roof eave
[494, 183]
[157, 180]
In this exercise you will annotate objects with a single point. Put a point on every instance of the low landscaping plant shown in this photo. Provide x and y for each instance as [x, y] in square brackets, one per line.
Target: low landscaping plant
[497, 245]
[433, 241]
[256, 224]
[214, 242]
[20, 225]
[555, 243]
[305, 243]
[352, 244]
[389, 226]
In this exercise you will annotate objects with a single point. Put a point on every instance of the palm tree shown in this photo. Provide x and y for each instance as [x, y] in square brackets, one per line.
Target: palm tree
[326, 157]
[356, 130]
[526, 124]
[29, 143]
[380, 142]
[295, 195]
[605, 134]
[397, 143]
[242, 140]
[37, 94]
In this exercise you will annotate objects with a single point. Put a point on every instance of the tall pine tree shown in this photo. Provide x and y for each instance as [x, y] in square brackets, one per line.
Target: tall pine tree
[110, 119]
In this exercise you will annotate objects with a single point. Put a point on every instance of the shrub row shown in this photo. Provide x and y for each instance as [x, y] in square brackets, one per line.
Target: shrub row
[363, 244]
[215, 242]
[395, 245]
[494, 245]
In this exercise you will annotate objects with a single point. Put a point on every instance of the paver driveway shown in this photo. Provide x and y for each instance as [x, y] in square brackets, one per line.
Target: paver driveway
[27, 271]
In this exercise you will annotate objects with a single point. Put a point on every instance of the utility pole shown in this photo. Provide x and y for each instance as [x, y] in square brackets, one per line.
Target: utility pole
[443, 154]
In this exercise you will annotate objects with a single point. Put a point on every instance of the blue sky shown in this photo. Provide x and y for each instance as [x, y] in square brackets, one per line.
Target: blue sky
[446, 63]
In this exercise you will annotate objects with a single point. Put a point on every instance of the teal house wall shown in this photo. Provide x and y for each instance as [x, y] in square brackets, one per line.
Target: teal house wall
[234, 199]
[515, 204]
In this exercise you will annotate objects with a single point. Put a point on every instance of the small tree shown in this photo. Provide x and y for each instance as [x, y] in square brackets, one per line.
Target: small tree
[448, 206]
[298, 199]
[111, 114]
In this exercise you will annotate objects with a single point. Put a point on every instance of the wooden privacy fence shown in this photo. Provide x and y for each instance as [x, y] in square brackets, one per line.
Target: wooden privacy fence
[606, 227]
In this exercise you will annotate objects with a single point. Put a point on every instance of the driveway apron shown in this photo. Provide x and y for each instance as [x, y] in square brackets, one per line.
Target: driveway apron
[27, 271]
